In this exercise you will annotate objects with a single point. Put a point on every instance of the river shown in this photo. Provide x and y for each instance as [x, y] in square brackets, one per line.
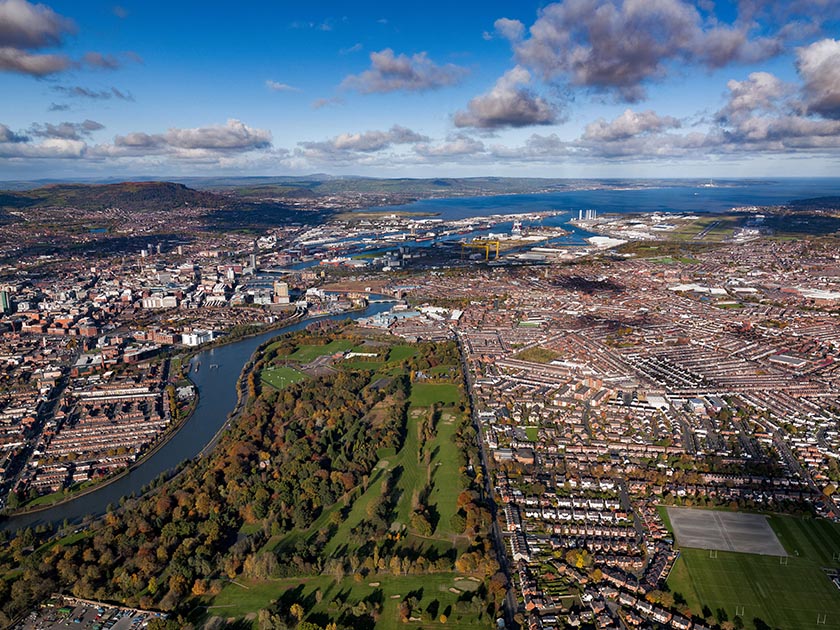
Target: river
[217, 398]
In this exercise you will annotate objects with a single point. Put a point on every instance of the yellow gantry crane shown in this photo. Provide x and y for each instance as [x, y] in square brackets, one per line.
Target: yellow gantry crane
[480, 243]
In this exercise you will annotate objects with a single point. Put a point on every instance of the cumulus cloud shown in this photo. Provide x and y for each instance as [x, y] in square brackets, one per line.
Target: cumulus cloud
[617, 46]
[345, 145]
[819, 67]
[215, 145]
[233, 136]
[78, 91]
[9, 136]
[458, 145]
[763, 113]
[627, 125]
[391, 73]
[22, 62]
[537, 148]
[509, 29]
[27, 26]
[761, 91]
[51, 148]
[66, 130]
[276, 86]
[508, 104]
[20, 145]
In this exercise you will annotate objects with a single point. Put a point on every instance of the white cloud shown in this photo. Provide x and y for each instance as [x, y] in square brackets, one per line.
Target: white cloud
[391, 73]
[508, 104]
[819, 67]
[276, 86]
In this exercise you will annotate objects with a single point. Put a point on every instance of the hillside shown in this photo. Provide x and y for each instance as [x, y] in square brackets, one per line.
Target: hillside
[154, 196]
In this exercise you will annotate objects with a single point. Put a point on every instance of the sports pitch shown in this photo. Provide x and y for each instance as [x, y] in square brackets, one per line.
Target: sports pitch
[725, 531]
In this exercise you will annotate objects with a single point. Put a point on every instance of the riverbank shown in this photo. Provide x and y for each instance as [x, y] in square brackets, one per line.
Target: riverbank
[218, 390]
[158, 444]
[165, 437]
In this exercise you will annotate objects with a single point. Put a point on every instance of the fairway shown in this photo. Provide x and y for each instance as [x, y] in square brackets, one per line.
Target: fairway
[280, 377]
[426, 394]
[433, 592]
[784, 592]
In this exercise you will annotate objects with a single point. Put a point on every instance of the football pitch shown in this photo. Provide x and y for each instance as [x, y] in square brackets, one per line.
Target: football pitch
[281, 376]
[724, 531]
[789, 592]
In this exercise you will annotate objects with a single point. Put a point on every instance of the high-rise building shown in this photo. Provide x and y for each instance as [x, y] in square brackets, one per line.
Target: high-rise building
[5, 302]
[281, 292]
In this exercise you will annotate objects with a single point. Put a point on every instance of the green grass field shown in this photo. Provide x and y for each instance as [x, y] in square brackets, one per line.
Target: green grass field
[281, 376]
[445, 473]
[786, 596]
[398, 353]
[427, 394]
[360, 364]
[307, 353]
[247, 596]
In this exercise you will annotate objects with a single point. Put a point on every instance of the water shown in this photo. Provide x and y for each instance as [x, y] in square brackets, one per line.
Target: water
[217, 398]
[667, 198]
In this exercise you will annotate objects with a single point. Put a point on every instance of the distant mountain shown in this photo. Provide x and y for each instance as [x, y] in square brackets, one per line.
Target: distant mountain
[125, 195]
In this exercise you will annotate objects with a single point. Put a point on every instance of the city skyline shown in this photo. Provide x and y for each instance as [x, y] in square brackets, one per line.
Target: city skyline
[578, 88]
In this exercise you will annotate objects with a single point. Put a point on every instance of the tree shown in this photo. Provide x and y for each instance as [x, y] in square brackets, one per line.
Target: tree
[297, 611]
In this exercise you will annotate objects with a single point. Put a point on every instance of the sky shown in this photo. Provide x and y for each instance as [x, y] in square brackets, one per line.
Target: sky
[576, 88]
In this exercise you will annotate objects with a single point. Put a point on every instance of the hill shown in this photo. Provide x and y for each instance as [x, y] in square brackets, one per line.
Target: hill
[155, 196]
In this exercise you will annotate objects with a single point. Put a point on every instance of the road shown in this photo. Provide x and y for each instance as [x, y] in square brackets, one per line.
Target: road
[511, 605]
[46, 412]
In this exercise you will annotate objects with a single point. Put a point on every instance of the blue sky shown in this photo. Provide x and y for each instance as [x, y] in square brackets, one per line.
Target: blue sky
[577, 88]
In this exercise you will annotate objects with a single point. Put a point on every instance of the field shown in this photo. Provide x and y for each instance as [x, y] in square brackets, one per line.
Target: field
[724, 531]
[425, 394]
[786, 593]
[305, 353]
[281, 376]
[245, 596]
[398, 353]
